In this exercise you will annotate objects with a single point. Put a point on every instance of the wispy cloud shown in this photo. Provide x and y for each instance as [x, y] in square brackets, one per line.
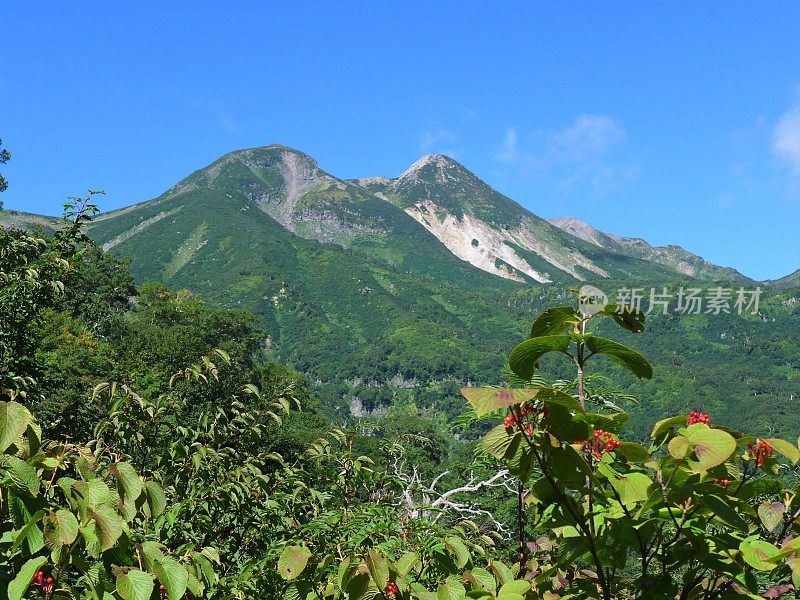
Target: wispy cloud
[439, 140]
[435, 137]
[786, 141]
[580, 153]
[228, 123]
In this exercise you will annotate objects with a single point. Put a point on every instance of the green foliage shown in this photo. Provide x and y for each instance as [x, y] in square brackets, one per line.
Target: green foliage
[703, 512]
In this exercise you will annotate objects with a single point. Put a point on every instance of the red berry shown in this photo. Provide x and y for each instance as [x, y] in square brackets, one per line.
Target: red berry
[50, 581]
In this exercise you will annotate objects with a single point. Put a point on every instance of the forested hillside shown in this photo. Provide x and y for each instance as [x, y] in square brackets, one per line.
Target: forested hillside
[365, 287]
[151, 448]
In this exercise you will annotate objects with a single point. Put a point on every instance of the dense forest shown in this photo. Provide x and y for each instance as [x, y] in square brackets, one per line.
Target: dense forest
[152, 449]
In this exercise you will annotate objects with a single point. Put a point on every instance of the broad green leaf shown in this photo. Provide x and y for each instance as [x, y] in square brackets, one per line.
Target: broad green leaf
[631, 487]
[22, 474]
[785, 448]
[678, 447]
[128, 480]
[486, 400]
[156, 499]
[634, 452]
[406, 562]
[555, 321]
[20, 584]
[771, 514]
[135, 585]
[61, 528]
[378, 567]
[14, 420]
[757, 554]
[554, 396]
[93, 492]
[293, 561]
[483, 578]
[501, 572]
[30, 532]
[712, 447]
[517, 587]
[451, 590]
[500, 444]
[524, 358]
[723, 509]
[665, 425]
[629, 317]
[173, 576]
[627, 357]
[458, 550]
[110, 526]
[614, 422]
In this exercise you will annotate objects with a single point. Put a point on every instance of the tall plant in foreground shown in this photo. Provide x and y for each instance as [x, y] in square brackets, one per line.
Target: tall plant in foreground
[700, 513]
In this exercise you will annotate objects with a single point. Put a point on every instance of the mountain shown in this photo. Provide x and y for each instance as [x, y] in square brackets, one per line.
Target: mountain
[497, 235]
[674, 257]
[13, 219]
[791, 280]
[386, 290]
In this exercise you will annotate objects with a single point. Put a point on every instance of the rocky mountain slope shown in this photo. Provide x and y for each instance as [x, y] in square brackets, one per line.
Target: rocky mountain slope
[389, 289]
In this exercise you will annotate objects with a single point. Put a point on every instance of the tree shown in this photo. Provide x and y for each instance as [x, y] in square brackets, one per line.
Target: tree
[5, 156]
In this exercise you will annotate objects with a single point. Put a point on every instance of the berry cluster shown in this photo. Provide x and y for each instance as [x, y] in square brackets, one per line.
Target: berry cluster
[723, 482]
[391, 590]
[760, 451]
[602, 442]
[47, 584]
[698, 417]
[524, 410]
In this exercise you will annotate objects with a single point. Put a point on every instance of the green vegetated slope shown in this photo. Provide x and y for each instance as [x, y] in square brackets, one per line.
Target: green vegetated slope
[367, 295]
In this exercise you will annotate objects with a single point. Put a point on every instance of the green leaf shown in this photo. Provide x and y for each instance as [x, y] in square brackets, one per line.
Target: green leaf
[524, 358]
[458, 550]
[757, 554]
[483, 578]
[517, 587]
[128, 480]
[30, 532]
[771, 514]
[664, 426]
[110, 526]
[173, 576]
[156, 499]
[554, 396]
[293, 561]
[500, 444]
[486, 400]
[613, 422]
[14, 420]
[627, 357]
[712, 447]
[725, 511]
[555, 321]
[629, 317]
[21, 583]
[61, 528]
[631, 487]
[22, 474]
[451, 590]
[378, 567]
[678, 447]
[634, 452]
[785, 448]
[135, 585]
[406, 562]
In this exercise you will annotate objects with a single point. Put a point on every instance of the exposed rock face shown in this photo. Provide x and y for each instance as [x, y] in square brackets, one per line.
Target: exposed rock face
[675, 257]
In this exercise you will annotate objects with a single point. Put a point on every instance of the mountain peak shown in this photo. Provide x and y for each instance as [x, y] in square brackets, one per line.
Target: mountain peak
[439, 163]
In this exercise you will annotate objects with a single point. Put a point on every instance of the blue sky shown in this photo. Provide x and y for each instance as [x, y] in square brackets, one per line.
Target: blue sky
[678, 122]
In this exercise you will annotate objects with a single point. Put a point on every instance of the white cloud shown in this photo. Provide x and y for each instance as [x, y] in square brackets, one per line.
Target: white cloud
[433, 139]
[588, 138]
[786, 141]
[582, 152]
